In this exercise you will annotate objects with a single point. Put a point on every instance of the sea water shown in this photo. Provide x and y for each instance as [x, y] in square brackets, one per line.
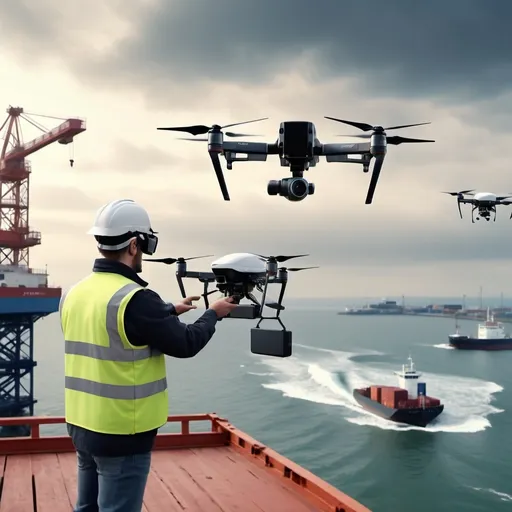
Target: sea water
[302, 406]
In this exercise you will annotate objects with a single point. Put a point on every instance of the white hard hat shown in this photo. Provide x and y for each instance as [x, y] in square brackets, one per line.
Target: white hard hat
[118, 218]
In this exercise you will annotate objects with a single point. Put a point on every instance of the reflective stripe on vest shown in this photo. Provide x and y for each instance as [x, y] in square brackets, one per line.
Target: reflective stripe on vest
[116, 352]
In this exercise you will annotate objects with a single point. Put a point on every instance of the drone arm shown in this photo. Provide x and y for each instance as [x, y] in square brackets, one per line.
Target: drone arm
[202, 276]
[250, 148]
[343, 149]
[250, 157]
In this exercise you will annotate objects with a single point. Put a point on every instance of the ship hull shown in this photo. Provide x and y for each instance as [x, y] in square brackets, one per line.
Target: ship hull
[468, 343]
[419, 417]
[29, 301]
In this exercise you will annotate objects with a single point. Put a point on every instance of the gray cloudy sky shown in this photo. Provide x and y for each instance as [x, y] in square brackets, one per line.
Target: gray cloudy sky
[129, 69]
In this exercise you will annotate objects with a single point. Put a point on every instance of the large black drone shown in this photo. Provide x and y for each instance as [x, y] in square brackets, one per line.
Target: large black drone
[298, 148]
[238, 275]
[484, 202]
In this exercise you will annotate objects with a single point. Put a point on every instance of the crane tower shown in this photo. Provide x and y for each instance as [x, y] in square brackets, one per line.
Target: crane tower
[25, 296]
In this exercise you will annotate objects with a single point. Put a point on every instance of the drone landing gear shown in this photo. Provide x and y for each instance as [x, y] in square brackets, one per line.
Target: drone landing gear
[272, 342]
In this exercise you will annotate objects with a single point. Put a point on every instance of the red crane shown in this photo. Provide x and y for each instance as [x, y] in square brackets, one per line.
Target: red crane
[15, 235]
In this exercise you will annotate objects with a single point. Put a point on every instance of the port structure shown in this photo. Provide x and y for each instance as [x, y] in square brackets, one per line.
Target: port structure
[25, 295]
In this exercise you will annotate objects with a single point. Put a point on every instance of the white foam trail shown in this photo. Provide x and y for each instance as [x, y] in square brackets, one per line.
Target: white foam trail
[502, 495]
[446, 346]
[467, 400]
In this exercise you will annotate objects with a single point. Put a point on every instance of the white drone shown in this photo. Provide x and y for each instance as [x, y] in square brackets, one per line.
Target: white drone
[237, 275]
[298, 148]
[484, 202]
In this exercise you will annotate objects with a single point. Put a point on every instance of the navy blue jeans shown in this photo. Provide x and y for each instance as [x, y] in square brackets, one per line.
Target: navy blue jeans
[111, 484]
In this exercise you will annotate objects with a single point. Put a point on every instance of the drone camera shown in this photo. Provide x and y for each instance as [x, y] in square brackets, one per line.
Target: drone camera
[297, 139]
[271, 342]
[294, 189]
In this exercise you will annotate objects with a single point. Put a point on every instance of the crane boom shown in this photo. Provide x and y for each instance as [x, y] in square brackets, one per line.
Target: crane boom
[63, 134]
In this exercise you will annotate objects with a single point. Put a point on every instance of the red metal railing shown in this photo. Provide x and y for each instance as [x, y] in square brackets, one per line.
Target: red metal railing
[222, 433]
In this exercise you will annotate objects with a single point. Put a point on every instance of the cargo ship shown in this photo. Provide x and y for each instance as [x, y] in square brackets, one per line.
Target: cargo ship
[408, 403]
[491, 336]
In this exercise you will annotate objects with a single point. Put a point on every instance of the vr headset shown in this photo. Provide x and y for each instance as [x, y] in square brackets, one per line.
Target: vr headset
[147, 242]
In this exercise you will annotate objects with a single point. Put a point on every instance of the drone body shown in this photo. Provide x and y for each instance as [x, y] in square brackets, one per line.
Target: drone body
[243, 264]
[298, 148]
[483, 202]
[237, 275]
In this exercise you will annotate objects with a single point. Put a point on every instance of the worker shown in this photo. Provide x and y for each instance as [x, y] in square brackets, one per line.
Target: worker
[117, 333]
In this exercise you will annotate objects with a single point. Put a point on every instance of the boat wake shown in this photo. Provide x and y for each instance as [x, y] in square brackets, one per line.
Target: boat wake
[446, 346]
[503, 496]
[328, 377]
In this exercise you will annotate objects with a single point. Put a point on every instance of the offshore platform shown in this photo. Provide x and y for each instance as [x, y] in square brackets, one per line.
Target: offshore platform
[25, 296]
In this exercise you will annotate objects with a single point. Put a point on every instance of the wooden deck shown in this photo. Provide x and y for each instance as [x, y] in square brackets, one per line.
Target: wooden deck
[220, 470]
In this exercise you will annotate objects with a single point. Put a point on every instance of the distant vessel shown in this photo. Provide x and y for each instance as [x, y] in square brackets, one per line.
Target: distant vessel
[407, 403]
[385, 307]
[491, 336]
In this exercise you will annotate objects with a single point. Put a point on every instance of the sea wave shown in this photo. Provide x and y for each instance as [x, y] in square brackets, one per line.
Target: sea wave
[328, 376]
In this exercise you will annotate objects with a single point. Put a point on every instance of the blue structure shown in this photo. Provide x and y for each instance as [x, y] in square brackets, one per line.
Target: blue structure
[17, 319]
[422, 389]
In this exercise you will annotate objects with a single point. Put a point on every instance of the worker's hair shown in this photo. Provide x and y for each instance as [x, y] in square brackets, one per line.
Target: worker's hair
[113, 255]
[116, 254]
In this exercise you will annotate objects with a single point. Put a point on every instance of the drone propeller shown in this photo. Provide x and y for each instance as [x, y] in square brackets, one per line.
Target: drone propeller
[199, 129]
[229, 134]
[379, 159]
[296, 269]
[365, 127]
[170, 261]
[281, 259]
[461, 193]
[395, 140]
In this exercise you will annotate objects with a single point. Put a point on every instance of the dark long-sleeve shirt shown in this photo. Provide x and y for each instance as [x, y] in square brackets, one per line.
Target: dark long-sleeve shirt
[148, 321]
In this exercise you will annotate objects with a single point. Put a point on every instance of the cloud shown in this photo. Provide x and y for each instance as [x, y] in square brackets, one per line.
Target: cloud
[456, 50]
[127, 74]
[128, 157]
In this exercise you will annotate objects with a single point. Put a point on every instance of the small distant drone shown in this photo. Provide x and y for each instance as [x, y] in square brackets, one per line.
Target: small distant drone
[238, 275]
[298, 148]
[484, 202]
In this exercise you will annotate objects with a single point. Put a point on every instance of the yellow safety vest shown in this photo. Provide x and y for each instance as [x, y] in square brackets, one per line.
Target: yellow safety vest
[112, 386]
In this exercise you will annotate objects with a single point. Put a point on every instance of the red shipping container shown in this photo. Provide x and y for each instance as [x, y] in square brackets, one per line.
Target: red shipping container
[376, 393]
[393, 396]
[388, 392]
[401, 394]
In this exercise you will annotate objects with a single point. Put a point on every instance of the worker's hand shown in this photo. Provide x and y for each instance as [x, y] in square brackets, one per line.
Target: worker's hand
[186, 305]
[223, 307]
